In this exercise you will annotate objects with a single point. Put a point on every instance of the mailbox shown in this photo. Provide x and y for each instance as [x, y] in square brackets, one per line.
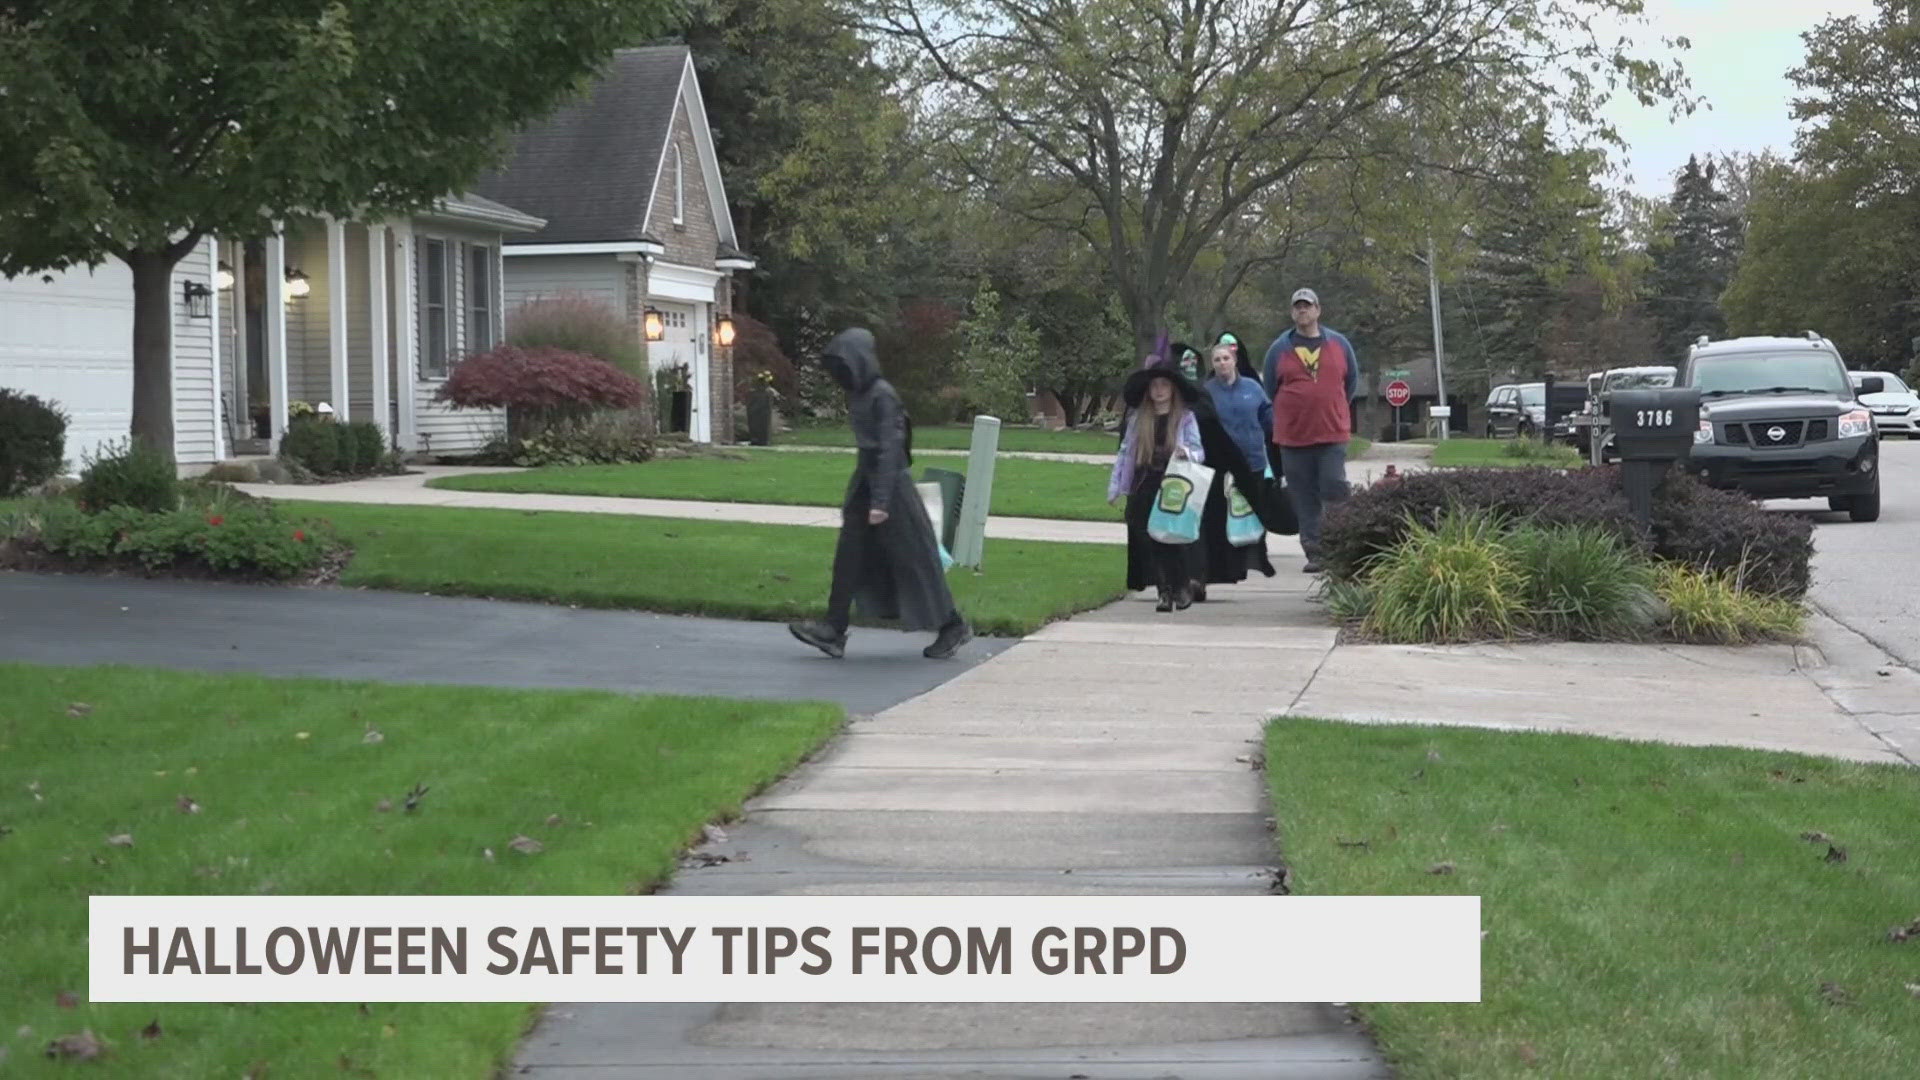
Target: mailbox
[1652, 429]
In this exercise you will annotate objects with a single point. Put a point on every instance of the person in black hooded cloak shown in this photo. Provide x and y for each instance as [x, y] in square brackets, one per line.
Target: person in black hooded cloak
[1220, 563]
[888, 557]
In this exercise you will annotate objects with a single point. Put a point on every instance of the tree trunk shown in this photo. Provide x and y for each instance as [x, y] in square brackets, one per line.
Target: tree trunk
[153, 349]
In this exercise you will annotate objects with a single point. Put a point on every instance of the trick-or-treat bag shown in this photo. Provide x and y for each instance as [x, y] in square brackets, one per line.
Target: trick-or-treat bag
[1176, 509]
[1244, 527]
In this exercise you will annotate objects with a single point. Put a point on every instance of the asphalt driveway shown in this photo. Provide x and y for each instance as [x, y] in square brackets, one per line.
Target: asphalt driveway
[398, 637]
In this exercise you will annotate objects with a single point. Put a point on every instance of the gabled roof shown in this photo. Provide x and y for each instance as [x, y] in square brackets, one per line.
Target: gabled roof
[590, 168]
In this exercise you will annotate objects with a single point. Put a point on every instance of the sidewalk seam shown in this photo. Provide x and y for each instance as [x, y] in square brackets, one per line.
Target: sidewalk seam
[1887, 659]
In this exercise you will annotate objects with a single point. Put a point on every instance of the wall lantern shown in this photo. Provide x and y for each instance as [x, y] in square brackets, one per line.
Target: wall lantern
[723, 332]
[656, 325]
[225, 277]
[297, 284]
[198, 299]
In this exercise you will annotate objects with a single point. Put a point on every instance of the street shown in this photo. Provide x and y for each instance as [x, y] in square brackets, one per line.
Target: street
[1865, 575]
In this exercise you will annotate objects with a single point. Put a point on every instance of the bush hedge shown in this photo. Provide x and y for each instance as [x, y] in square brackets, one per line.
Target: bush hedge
[1692, 524]
[212, 531]
[33, 442]
[613, 438]
[539, 386]
[130, 474]
[327, 448]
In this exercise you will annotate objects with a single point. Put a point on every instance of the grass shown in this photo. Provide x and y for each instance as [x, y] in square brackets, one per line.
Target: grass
[960, 437]
[721, 569]
[288, 786]
[1458, 452]
[1022, 487]
[1650, 910]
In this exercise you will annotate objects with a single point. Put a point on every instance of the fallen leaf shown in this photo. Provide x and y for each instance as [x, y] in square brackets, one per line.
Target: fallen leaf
[526, 845]
[488, 852]
[413, 797]
[1417, 774]
[255, 1071]
[1528, 1054]
[387, 1031]
[98, 861]
[85, 1046]
[1440, 868]
[347, 1066]
[1816, 837]
[67, 1000]
[23, 1032]
[121, 840]
[384, 806]
[1433, 755]
[782, 577]
[33, 788]
[79, 708]
[1835, 994]
[714, 834]
[1836, 854]
[1905, 933]
[372, 736]
[162, 773]
[700, 860]
[1914, 989]
[187, 805]
[152, 1030]
[1353, 843]
[364, 1011]
[554, 820]
[192, 770]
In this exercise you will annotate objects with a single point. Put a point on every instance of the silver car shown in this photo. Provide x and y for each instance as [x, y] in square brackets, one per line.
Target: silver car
[1896, 408]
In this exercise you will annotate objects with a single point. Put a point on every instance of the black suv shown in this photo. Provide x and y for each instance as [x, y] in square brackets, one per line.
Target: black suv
[1781, 419]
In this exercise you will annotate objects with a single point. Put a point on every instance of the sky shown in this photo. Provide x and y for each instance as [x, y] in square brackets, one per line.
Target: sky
[1738, 61]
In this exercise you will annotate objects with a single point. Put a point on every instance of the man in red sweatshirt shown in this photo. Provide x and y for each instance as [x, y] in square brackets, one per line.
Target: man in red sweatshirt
[1312, 374]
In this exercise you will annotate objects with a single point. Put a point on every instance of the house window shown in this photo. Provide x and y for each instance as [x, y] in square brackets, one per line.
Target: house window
[679, 190]
[434, 301]
[479, 299]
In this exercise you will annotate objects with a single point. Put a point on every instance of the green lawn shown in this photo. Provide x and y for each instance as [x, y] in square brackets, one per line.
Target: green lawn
[1461, 452]
[1021, 487]
[289, 786]
[1650, 910]
[723, 569]
[960, 437]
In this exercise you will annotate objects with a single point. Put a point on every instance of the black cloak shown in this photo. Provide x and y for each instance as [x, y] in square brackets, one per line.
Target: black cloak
[892, 568]
[1225, 564]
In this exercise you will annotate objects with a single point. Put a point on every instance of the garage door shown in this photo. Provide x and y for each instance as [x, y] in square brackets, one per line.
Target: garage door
[71, 341]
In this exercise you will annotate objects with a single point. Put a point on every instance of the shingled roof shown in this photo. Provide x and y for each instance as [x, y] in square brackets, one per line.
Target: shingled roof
[589, 168]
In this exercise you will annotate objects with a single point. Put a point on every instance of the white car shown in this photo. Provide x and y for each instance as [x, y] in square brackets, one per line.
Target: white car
[1896, 408]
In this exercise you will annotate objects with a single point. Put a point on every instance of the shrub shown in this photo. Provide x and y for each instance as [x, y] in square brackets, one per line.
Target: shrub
[359, 447]
[757, 352]
[578, 324]
[1454, 582]
[539, 386]
[1691, 523]
[605, 439]
[314, 445]
[231, 537]
[1584, 583]
[1714, 607]
[129, 474]
[33, 442]
[236, 472]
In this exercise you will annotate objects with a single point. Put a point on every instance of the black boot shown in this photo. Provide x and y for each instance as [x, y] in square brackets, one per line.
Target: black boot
[1182, 598]
[953, 635]
[1166, 601]
[1199, 592]
[821, 636]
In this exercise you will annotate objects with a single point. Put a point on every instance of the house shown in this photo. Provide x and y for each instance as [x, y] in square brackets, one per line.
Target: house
[628, 185]
[260, 324]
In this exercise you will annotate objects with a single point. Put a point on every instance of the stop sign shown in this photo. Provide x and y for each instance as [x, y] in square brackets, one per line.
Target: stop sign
[1398, 393]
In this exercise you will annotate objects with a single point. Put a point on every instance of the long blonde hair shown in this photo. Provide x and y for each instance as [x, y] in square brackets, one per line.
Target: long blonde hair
[1143, 424]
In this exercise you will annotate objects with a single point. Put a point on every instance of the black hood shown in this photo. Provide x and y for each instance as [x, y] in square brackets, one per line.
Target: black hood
[1242, 361]
[851, 360]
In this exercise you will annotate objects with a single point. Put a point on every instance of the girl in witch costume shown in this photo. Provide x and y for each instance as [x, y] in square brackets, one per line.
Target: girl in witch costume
[1161, 426]
[887, 559]
[1222, 563]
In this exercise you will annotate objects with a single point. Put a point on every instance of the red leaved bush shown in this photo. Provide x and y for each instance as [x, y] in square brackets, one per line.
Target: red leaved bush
[755, 349]
[539, 383]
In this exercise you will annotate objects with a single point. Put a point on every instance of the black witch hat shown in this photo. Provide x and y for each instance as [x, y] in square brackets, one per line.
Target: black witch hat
[1135, 390]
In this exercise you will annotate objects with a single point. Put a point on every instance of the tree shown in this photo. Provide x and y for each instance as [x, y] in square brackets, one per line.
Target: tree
[1693, 260]
[998, 351]
[134, 130]
[1153, 125]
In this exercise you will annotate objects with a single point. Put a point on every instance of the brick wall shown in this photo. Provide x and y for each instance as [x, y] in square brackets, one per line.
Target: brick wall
[720, 383]
[636, 308]
[691, 242]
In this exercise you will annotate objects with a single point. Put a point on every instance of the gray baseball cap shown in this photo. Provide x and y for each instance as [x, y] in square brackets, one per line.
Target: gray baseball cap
[1308, 295]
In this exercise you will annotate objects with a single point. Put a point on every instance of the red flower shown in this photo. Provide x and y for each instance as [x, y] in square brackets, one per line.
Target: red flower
[215, 519]
[300, 535]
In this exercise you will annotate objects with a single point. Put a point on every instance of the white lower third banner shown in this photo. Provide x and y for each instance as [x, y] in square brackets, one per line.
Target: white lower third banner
[785, 948]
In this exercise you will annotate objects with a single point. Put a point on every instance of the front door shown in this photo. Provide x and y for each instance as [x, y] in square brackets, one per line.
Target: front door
[679, 365]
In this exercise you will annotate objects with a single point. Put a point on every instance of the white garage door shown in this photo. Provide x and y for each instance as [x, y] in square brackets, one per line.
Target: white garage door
[71, 342]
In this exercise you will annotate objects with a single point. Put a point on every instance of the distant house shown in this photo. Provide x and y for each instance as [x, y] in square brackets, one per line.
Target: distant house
[367, 317]
[635, 214]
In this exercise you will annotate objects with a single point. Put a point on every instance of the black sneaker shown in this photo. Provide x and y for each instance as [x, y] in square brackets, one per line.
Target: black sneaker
[952, 636]
[820, 636]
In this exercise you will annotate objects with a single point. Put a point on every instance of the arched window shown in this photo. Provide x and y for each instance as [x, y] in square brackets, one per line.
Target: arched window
[679, 190]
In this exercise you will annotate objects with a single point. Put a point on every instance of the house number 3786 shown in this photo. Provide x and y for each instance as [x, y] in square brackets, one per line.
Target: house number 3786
[1654, 417]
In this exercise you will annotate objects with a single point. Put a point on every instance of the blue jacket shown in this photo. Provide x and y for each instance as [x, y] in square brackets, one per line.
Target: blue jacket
[1246, 412]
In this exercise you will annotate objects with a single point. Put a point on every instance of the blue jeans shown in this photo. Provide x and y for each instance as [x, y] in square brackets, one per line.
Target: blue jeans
[1315, 476]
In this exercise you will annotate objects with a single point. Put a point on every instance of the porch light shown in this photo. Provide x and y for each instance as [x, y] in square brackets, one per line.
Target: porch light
[225, 277]
[198, 299]
[297, 284]
[723, 332]
[656, 325]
